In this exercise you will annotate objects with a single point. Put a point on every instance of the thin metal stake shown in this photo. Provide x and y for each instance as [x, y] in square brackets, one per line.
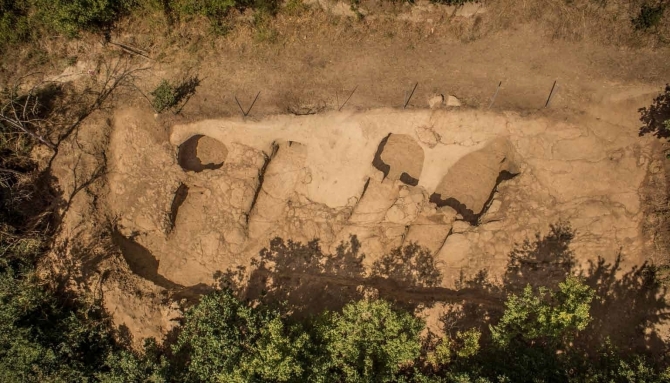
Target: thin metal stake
[493, 99]
[410, 96]
[551, 94]
[252, 104]
[240, 106]
[347, 100]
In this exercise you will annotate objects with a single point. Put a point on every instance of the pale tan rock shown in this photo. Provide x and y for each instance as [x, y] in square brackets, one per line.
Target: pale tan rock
[427, 136]
[453, 101]
[400, 158]
[189, 225]
[436, 101]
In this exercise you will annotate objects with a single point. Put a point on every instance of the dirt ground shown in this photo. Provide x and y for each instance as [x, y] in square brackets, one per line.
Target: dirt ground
[187, 201]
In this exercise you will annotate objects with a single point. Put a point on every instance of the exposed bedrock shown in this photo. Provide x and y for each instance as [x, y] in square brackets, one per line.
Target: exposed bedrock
[277, 185]
[388, 177]
[431, 228]
[400, 157]
[470, 183]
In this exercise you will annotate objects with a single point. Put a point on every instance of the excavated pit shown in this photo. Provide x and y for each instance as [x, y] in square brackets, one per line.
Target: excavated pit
[465, 212]
[200, 153]
[466, 185]
[400, 157]
[464, 188]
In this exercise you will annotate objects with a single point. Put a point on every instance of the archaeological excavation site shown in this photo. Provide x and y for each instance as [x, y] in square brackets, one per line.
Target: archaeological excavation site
[326, 191]
[402, 204]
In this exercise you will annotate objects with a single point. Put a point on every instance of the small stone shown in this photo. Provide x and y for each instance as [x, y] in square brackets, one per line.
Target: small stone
[436, 101]
[453, 101]
[417, 197]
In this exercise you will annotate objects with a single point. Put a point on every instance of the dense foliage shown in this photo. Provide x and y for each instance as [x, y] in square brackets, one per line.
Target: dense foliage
[226, 340]
[21, 20]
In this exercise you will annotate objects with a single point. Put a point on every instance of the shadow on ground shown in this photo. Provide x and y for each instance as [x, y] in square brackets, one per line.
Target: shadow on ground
[307, 280]
[655, 116]
[628, 304]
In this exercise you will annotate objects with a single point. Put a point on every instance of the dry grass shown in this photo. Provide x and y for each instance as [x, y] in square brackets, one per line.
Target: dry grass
[604, 21]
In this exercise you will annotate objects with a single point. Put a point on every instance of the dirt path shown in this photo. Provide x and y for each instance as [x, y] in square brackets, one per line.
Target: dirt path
[319, 60]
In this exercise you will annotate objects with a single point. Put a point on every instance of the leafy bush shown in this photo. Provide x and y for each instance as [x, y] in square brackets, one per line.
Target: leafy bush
[14, 21]
[368, 341]
[224, 340]
[168, 96]
[71, 16]
[545, 316]
[165, 96]
[648, 17]
[42, 340]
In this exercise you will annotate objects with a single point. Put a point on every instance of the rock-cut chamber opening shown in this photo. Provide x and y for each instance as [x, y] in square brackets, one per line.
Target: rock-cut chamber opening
[200, 152]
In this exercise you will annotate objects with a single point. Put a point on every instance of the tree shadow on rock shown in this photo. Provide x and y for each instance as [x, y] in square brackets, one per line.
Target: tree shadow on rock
[545, 261]
[655, 116]
[410, 265]
[306, 280]
[471, 314]
[628, 306]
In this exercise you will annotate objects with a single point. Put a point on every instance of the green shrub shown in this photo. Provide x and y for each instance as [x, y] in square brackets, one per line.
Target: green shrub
[165, 96]
[468, 343]
[225, 340]
[14, 22]
[71, 16]
[648, 17]
[368, 341]
[168, 96]
[43, 338]
[547, 317]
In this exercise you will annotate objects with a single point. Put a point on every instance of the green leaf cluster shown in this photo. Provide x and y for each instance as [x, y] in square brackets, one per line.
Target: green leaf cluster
[225, 340]
[546, 316]
[368, 341]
